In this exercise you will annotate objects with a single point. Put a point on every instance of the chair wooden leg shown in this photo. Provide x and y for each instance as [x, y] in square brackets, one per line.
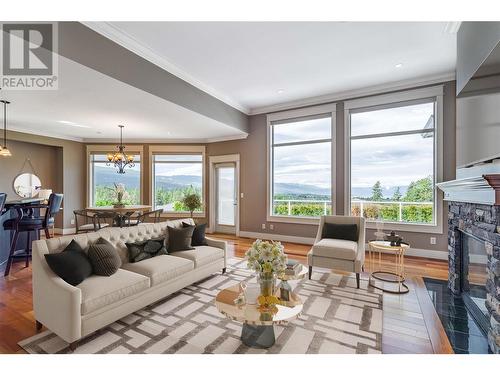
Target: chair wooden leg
[310, 272]
[11, 253]
[47, 233]
[357, 280]
[73, 345]
[28, 244]
[38, 325]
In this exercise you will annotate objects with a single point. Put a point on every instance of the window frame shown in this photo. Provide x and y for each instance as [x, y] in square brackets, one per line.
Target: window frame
[103, 150]
[330, 109]
[392, 100]
[177, 150]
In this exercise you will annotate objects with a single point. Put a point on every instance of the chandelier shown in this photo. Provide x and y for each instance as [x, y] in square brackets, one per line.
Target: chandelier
[4, 151]
[120, 159]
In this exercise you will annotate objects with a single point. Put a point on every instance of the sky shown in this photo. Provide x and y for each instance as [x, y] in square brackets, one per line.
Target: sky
[178, 169]
[394, 161]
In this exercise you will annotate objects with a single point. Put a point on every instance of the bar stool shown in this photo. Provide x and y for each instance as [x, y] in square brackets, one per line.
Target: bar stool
[26, 222]
[3, 199]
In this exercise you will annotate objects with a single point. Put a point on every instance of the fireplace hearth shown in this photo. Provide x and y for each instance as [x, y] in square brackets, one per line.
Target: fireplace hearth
[474, 263]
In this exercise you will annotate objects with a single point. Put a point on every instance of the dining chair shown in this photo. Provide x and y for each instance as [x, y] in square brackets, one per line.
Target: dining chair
[3, 199]
[27, 222]
[141, 218]
[85, 221]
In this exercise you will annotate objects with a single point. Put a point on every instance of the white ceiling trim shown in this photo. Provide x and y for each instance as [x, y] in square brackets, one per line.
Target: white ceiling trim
[44, 133]
[373, 90]
[130, 140]
[168, 141]
[125, 40]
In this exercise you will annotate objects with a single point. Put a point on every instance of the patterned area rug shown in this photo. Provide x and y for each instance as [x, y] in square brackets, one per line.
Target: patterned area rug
[337, 318]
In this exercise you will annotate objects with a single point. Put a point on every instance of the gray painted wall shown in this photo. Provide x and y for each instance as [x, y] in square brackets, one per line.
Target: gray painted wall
[69, 166]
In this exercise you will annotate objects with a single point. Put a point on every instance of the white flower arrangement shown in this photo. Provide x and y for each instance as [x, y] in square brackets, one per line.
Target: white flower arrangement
[266, 257]
[120, 193]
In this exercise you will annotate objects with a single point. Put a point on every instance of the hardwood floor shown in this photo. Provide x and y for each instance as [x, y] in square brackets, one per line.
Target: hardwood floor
[411, 324]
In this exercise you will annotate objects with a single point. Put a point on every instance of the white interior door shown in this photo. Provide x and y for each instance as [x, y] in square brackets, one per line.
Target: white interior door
[226, 198]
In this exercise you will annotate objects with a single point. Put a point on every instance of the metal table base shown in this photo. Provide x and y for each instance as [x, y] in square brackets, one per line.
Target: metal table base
[261, 337]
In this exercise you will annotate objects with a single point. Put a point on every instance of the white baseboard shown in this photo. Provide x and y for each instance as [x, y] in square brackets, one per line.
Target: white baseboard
[278, 237]
[421, 253]
[65, 231]
[427, 253]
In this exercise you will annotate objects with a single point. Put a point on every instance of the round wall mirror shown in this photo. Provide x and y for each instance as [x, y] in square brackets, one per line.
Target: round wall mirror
[27, 185]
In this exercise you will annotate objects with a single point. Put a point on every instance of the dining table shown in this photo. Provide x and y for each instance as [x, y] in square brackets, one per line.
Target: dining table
[121, 213]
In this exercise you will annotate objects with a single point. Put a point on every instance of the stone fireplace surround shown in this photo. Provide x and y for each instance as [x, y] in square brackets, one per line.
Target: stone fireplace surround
[482, 221]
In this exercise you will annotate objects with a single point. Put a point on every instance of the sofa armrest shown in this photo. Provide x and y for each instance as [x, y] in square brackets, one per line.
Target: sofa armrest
[362, 240]
[219, 244]
[56, 304]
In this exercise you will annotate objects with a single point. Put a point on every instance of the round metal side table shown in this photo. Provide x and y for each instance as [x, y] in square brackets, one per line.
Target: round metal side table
[392, 277]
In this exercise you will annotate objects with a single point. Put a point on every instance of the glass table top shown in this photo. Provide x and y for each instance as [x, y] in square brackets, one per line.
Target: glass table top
[250, 314]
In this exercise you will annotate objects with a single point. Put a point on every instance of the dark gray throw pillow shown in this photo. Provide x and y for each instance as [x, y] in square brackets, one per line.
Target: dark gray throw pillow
[347, 232]
[198, 238]
[104, 258]
[72, 264]
[179, 239]
[141, 250]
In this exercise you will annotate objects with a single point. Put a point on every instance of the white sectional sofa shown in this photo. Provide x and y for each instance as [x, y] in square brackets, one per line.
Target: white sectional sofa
[73, 312]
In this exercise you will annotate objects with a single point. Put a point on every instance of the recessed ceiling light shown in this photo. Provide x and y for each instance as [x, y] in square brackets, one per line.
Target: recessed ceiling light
[280, 91]
[71, 123]
[399, 65]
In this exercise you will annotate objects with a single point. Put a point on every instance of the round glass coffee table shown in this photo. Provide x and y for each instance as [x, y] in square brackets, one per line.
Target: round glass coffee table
[392, 277]
[258, 327]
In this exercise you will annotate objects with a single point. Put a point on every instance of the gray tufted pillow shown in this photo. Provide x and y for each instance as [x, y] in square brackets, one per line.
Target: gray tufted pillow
[104, 258]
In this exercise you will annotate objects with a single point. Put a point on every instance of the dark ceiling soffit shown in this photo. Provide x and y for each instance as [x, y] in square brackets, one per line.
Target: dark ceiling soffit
[87, 47]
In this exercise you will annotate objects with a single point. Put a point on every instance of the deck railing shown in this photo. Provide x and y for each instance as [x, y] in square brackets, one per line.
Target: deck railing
[386, 210]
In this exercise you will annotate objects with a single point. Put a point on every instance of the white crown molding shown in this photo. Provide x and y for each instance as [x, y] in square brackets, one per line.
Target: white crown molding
[227, 138]
[21, 129]
[452, 27]
[168, 140]
[127, 41]
[44, 133]
[372, 90]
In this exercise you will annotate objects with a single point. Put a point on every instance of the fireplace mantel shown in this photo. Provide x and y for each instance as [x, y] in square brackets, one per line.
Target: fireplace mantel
[479, 184]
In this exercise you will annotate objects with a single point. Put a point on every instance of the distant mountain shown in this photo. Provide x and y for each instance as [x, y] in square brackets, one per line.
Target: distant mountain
[131, 179]
[299, 189]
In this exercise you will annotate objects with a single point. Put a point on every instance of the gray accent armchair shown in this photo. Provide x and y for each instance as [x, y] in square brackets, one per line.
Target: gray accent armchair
[336, 254]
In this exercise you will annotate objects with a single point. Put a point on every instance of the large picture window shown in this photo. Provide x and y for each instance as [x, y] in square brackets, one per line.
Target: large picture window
[300, 158]
[393, 168]
[104, 177]
[175, 176]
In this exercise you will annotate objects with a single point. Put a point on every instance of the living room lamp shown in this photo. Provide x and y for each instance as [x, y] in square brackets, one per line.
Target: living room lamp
[4, 151]
[120, 159]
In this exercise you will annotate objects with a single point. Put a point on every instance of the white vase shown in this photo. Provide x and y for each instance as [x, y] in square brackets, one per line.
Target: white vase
[252, 293]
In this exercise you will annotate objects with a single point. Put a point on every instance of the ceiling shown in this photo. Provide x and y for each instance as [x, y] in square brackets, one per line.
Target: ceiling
[88, 106]
[257, 66]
